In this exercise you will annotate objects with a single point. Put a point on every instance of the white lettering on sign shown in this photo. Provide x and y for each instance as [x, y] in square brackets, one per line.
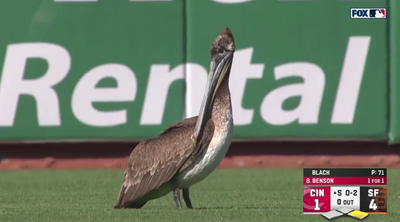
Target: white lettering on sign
[242, 70]
[86, 93]
[13, 84]
[310, 92]
[196, 81]
[162, 76]
[350, 80]
[160, 80]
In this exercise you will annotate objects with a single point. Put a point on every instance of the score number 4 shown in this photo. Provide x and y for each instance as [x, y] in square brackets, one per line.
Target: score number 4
[372, 205]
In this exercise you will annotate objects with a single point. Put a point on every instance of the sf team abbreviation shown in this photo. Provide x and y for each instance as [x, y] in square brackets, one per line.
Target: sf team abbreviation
[347, 191]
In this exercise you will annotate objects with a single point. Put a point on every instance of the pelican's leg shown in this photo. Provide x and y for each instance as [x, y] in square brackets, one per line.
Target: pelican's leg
[177, 198]
[187, 198]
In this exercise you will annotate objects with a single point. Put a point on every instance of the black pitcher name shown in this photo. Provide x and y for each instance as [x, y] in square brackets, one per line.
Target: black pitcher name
[321, 172]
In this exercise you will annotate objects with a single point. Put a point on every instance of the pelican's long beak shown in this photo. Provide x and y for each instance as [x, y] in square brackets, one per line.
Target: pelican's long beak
[219, 67]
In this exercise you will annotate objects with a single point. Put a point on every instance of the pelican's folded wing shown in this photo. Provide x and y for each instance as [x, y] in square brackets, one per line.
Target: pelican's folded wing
[155, 161]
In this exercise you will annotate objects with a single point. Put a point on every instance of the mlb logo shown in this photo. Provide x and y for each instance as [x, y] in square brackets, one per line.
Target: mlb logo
[369, 13]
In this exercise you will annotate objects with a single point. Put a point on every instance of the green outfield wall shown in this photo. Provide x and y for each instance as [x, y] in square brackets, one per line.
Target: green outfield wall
[125, 69]
[394, 55]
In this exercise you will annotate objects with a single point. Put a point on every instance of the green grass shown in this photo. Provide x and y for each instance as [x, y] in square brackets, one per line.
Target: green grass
[227, 195]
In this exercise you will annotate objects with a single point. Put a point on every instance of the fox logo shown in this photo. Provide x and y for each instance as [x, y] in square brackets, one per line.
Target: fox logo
[368, 13]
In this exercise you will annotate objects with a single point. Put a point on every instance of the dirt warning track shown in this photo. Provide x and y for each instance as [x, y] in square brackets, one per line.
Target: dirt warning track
[94, 155]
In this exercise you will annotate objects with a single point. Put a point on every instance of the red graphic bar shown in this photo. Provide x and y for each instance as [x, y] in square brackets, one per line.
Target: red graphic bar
[344, 180]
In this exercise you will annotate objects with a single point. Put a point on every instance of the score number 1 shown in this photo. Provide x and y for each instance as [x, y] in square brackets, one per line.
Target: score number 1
[316, 204]
[316, 199]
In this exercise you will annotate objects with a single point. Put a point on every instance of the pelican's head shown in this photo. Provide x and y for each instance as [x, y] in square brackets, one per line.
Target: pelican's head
[222, 50]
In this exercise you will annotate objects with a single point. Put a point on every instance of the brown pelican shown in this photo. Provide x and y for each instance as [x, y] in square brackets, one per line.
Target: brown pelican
[187, 151]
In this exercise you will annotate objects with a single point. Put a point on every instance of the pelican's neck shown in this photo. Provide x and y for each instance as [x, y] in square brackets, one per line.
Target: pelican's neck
[222, 108]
